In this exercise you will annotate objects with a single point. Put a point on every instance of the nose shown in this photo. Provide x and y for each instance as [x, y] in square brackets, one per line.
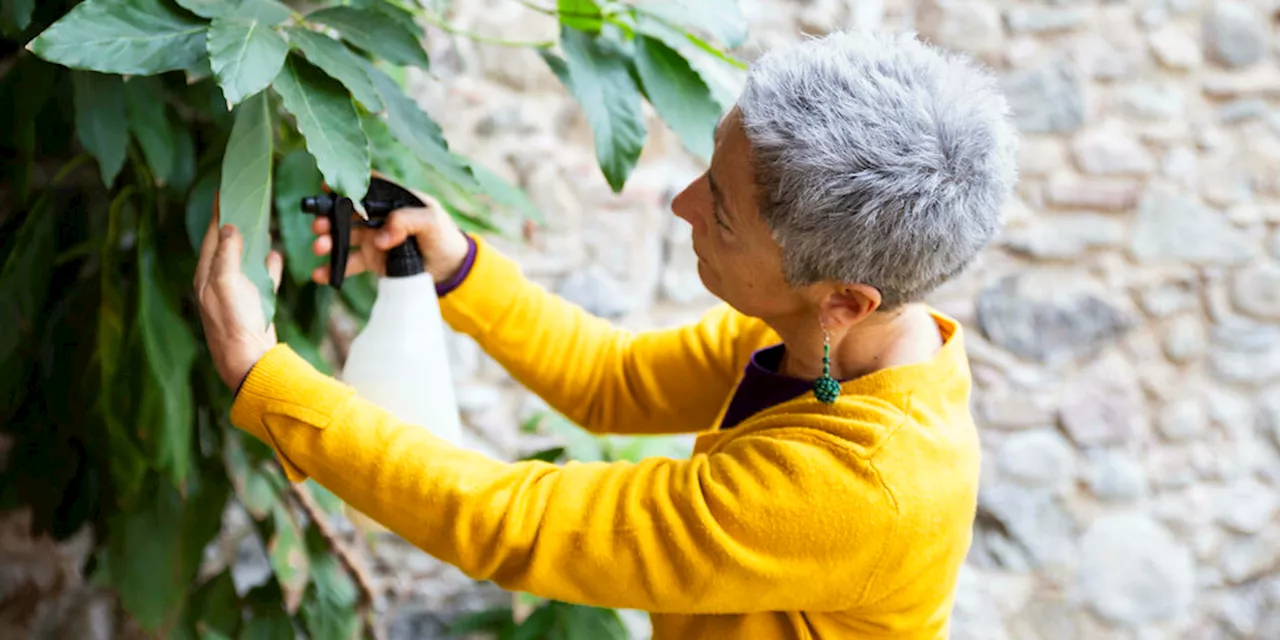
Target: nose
[686, 205]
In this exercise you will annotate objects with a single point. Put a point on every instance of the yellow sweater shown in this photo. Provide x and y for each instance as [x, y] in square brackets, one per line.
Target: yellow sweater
[803, 521]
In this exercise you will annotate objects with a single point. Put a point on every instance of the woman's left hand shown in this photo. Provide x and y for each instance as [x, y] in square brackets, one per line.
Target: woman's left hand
[235, 326]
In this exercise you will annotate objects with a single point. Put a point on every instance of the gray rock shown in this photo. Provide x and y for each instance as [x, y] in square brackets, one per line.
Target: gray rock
[1049, 318]
[1013, 409]
[1182, 164]
[1167, 220]
[1133, 572]
[1247, 557]
[1097, 194]
[1046, 99]
[1067, 235]
[1241, 110]
[1183, 419]
[1101, 407]
[1040, 458]
[1161, 101]
[251, 567]
[971, 26]
[1175, 48]
[1117, 477]
[1109, 152]
[1247, 506]
[1167, 298]
[1245, 353]
[680, 281]
[1269, 416]
[1032, 19]
[595, 290]
[1185, 338]
[1273, 245]
[1047, 618]
[976, 615]
[1235, 35]
[1034, 522]
[1256, 290]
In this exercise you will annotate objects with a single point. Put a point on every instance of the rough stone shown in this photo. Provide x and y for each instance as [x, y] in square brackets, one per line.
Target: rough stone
[1269, 416]
[1098, 194]
[1167, 298]
[1183, 419]
[597, 291]
[1245, 353]
[1247, 506]
[1175, 48]
[1160, 101]
[1241, 110]
[1133, 572]
[1033, 19]
[1273, 245]
[1246, 557]
[1049, 317]
[977, 616]
[964, 25]
[1067, 235]
[1103, 405]
[1035, 523]
[1039, 155]
[1261, 82]
[1185, 338]
[1166, 220]
[1041, 458]
[1014, 409]
[1046, 99]
[1111, 152]
[1234, 34]
[1256, 290]
[1117, 477]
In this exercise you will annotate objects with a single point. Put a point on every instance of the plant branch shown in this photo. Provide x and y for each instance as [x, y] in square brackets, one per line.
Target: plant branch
[439, 22]
[363, 582]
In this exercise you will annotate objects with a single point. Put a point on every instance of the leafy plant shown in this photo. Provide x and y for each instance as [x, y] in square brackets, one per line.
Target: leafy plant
[130, 118]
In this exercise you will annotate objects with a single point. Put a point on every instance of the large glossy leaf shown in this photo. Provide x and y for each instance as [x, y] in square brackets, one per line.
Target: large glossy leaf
[170, 353]
[296, 178]
[591, 622]
[325, 619]
[328, 120]
[413, 128]
[275, 626]
[287, 553]
[245, 193]
[580, 14]
[602, 84]
[216, 607]
[101, 120]
[136, 37]
[200, 206]
[154, 551]
[335, 59]
[24, 285]
[268, 12]
[723, 78]
[253, 484]
[184, 158]
[149, 122]
[375, 32]
[331, 581]
[246, 55]
[679, 95]
[723, 19]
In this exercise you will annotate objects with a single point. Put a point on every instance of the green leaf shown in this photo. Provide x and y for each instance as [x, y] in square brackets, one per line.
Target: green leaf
[506, 193]
[580, 14]
[538, 625]
[275, 626]
[723, 19]
[101, 124]
[184, 158]
[325, 499]
[486, 621]
[288, 556]
[132, 37]
[268, 12]
[245, 194]
[290, 334]
[296, 178]
[601, 82]
[722, 75]
[200, 206]
[149, 122]
[679, 95]
[24, 285]
[216, 606]
[154, 551]
[332, 582]
[328, 120]
[15, 15]
[246, 55]
[375, 32]
[413, 128]
[592, 622]
[252, 484]
[170, 353]
[547, 455]
[338, 61]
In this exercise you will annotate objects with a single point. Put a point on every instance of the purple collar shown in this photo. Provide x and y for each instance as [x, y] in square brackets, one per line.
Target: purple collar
[762, 387]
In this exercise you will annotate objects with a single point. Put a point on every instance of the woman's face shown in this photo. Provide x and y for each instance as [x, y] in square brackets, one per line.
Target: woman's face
[738, 259]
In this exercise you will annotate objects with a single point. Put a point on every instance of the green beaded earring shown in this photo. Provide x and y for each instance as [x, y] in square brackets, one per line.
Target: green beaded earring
[826, 389]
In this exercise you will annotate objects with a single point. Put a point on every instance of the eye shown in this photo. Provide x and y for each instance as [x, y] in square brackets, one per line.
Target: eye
[719, 221]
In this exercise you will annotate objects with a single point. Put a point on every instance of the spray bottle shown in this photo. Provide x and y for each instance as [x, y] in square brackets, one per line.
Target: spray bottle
[399, 360]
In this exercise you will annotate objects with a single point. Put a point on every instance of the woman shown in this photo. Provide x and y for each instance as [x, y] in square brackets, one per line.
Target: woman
[832, 489]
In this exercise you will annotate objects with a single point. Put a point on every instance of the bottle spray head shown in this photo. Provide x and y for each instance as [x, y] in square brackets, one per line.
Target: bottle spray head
[384, 198]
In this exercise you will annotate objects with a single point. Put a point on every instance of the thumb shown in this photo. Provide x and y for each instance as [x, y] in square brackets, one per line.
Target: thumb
[226, 261]
[275, 268]
[401, 224]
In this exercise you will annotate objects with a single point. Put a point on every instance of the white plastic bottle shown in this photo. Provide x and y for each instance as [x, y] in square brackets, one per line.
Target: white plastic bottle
[399, 361]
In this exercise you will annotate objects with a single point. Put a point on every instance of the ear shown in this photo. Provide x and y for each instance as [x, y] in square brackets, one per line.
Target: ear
[849, 304]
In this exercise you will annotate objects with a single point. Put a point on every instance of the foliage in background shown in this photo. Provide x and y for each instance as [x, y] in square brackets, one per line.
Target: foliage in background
[128, 116]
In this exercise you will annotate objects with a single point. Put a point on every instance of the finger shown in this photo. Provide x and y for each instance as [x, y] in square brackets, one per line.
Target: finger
[208, 247]
[401, 224]
[356, 264]
[320, 226]
[226, 263]
[275, 268]
[322, 245]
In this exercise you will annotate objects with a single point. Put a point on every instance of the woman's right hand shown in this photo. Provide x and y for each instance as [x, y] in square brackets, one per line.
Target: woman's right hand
[441, 242]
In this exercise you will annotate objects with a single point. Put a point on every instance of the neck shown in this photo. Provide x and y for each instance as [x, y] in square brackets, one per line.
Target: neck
[880, 340]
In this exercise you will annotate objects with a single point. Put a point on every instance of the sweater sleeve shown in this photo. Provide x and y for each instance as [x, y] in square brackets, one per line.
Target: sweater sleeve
[606, 379]
[789, 521]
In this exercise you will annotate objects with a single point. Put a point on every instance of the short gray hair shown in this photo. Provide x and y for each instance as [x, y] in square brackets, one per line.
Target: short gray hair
[879, 160]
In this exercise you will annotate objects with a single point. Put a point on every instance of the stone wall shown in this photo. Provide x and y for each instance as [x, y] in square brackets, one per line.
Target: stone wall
[1124, 331]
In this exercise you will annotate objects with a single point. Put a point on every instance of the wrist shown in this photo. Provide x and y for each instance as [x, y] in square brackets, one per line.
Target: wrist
[460, 267]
